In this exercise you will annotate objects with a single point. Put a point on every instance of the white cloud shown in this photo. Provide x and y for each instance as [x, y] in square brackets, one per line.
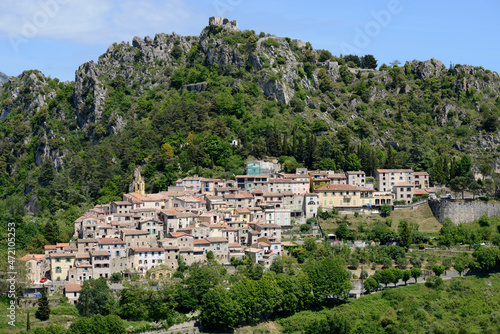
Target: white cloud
[96, 21]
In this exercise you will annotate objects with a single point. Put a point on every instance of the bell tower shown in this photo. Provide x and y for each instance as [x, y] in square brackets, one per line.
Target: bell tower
[139, 185]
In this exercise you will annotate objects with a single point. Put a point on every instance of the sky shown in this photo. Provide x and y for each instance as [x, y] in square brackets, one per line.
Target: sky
[57, 36]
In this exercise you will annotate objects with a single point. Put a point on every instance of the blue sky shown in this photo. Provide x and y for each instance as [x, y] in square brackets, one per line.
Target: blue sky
[56, 36]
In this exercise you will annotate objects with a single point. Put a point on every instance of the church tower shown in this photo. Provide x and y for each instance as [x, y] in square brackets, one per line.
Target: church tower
[139, 185]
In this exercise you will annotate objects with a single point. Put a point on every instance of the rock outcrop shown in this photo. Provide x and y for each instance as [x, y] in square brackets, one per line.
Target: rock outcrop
[3, 78]
[426, 69]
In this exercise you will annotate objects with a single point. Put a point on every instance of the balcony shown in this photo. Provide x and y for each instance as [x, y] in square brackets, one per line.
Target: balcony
[347, 197]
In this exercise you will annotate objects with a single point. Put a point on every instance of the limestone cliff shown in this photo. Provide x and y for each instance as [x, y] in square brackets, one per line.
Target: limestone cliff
[3, 78]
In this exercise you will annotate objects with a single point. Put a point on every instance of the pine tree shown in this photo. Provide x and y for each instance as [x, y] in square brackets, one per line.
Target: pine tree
[43, 312]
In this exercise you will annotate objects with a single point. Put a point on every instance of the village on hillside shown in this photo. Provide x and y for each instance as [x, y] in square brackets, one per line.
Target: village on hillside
[149, 234]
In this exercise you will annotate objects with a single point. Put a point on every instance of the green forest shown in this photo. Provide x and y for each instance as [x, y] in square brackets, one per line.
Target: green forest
[65, 146]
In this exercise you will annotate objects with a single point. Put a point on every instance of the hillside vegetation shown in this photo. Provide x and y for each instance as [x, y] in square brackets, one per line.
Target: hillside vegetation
[460, 305]
[67, 145]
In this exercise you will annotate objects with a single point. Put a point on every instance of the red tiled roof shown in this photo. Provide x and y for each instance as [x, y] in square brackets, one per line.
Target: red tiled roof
[68, 287]
[420, 192]
[179, 234]
[37, 257]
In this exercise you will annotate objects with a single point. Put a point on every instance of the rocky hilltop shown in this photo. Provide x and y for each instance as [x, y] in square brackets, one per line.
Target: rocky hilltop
[3, 78]
[150, 62]
[273, 96]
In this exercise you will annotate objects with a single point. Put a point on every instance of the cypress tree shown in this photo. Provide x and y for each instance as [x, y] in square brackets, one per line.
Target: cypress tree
[49, 233]
[28, 327]
[43, 312]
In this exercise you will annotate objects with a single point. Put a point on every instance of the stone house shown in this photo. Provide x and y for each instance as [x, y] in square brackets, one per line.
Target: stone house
[219, 246]
[82, 270]
[387, 178]
[100, 260]
[120, 207]
[356, 178]
[403, 191]
[152, 226]
[177, 220]
[72, 292]
[86, 245]
[137, 238]
[421, 180]
[171, 256]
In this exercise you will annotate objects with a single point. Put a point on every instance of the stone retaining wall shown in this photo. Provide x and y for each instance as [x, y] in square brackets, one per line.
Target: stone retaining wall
[462, 211]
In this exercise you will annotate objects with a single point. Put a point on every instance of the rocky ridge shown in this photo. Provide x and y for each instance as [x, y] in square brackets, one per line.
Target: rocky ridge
[277, 67]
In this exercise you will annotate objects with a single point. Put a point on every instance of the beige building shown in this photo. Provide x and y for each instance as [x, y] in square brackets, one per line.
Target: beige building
[344, 196]
[383, 198]
[242, 214]
[403, 191]
[60, 264]
[387, 178]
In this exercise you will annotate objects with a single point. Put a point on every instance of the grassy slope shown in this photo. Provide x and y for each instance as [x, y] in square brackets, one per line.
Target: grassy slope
[422, 215]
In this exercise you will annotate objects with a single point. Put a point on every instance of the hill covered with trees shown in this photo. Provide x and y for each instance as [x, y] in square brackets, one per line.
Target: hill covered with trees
[174, 105]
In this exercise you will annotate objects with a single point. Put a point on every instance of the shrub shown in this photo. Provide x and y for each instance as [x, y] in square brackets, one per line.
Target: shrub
[434, 282]
[271, 42]
[305, 228]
